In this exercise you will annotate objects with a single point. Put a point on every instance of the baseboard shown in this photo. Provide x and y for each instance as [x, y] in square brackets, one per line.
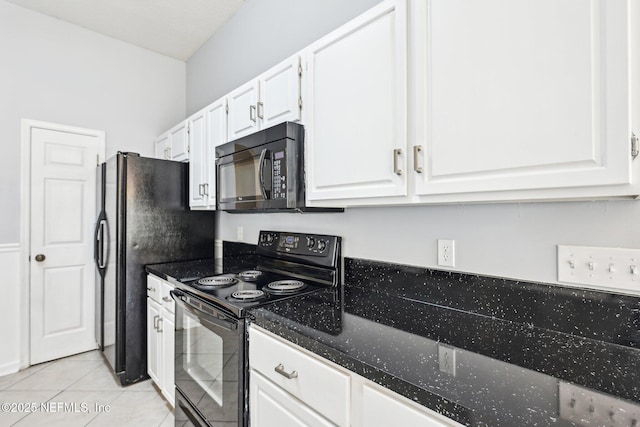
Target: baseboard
[9, 368]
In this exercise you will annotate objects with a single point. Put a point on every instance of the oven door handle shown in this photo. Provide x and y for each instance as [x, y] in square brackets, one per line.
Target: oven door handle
[205, 318]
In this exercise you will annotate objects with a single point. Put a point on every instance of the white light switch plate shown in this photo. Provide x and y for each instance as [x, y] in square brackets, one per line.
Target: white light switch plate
[587, 408]
[603, 268]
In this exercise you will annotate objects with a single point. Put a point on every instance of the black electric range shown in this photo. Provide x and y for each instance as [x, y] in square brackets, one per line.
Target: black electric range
[211, 346]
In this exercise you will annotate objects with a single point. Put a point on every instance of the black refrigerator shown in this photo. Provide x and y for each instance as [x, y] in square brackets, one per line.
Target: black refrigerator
[144, 219]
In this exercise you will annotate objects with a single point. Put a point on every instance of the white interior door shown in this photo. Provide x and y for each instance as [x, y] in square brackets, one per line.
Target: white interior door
[63, 211]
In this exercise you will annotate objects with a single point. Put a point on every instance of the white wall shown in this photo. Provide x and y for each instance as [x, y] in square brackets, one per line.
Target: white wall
[516, 240]
[261, 34]
[57, 72]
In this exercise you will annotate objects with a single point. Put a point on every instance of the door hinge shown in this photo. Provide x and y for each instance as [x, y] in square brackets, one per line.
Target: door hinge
[635, 149]
[226, 108]
[300, 69]
[300, 102]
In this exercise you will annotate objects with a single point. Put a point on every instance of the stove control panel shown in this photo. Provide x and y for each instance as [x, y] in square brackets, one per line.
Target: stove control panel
[316, 245]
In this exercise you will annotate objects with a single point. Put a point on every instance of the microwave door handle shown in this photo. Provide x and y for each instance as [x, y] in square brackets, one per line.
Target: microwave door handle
[263, 157]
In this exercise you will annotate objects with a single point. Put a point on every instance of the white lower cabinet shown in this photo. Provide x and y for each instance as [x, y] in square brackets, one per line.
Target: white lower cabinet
[161, 336]
[271, 406]
[290, 386]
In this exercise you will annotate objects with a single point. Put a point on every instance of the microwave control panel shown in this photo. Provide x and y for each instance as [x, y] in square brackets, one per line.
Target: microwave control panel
[279, 186]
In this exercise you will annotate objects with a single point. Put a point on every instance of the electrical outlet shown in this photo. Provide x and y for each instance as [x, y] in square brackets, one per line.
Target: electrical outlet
[606, 268]
[240, 233]
[447, 359]
[446, 253]
[587, 407]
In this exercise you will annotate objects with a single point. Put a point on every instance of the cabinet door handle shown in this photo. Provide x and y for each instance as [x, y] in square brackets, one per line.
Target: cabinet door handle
[159, 320]
[155, 322]
[280, 369]
[261, 110]
[396, 156]
[252, 113]
[417, 149]
[166, 299]
[199, 189]
[206, 189]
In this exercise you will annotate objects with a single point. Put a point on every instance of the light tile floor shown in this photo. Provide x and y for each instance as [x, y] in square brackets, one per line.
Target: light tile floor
[77, 391]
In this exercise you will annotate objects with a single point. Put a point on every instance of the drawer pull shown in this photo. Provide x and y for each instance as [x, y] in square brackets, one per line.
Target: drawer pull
[280, 369]
[166, 299]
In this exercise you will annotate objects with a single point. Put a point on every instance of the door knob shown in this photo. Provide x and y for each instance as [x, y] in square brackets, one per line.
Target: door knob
[40, 257]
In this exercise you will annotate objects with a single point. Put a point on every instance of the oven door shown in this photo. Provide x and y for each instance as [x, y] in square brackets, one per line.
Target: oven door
[210, 361]
[257, 178]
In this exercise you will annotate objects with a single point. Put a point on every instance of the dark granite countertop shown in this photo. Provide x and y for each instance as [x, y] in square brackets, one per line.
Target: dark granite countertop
[514, 342]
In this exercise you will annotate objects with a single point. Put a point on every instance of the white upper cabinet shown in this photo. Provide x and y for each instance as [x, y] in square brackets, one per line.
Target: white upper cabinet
[216, 135]
[179, 142]
[280, 97]
[243, 110]
[207, 130]
[272, 98]
[521, 95]
[356, 115]
[198, 161]
[162, 146]
[174, 144]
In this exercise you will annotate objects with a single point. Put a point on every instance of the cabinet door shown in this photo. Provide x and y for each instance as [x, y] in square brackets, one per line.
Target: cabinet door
[271, 406]
[280, 93]
[179, 142]
[168, 356]
[243, 114]
[153, 341]
[161, 145]
[216, 135]
[356, 120]
[523, 94]
[198, 161]
[382, 408]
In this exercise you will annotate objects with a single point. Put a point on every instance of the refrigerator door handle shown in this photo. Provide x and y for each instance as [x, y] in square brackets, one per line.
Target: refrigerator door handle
[102, 259]
[97, 250]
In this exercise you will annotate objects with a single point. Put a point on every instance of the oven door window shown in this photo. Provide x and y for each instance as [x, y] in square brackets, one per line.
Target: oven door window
[244, 179]
[209, 359]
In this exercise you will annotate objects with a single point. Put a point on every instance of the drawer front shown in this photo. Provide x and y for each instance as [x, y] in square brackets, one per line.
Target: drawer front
[153, 288]
[314, 382]
[165, 299]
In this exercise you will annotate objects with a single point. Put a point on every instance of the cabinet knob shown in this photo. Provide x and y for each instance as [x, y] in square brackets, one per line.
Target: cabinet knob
[40, 257]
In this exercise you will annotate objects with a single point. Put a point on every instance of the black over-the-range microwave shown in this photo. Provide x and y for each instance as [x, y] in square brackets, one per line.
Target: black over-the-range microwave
[264, 172]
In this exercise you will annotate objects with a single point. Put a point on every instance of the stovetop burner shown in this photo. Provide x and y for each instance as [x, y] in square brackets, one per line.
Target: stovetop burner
[250, 275]
[248, 295]
[286, 286]
[285, 265]
[217, 281]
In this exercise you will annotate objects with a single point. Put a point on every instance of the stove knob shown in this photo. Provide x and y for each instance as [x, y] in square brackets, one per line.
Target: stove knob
[311, 242]
[269, 238]
[263, 238]
[322, 245]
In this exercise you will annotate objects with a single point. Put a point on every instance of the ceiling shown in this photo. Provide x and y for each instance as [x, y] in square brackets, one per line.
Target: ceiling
[176, 28]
